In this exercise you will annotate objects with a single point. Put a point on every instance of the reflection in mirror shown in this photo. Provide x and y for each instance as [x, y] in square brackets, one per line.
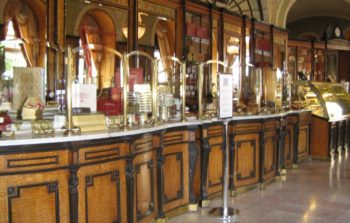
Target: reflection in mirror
[23, 45]
[159, 41]
[94, 23]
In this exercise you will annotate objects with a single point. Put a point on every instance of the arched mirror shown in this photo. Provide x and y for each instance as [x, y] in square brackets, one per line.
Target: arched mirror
[158, 28]
[104, 24]
[23, 54]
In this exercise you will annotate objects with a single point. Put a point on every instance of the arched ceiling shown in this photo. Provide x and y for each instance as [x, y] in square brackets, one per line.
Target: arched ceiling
[251, 8]
[302, 9]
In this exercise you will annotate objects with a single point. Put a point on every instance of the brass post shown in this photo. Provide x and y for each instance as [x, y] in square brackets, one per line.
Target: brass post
[69, 115]
[125, 89]
[154, 91]
[200, 89]
[183, 66]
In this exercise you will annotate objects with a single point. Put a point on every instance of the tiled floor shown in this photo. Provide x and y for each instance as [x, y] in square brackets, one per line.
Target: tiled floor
[318, 191]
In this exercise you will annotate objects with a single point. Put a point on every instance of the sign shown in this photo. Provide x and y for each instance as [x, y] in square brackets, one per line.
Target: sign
[226, 97]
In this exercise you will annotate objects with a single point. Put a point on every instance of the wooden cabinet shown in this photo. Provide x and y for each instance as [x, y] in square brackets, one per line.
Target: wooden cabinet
[144, 178]
[33, 187]
[102, 183]
[245, 150]
[289, 140]
[303, 132]
[210, 139]
[175, 169]
[215, 158]
[270, 149]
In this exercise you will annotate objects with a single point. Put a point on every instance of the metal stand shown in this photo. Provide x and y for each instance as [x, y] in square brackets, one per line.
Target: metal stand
[225, 213]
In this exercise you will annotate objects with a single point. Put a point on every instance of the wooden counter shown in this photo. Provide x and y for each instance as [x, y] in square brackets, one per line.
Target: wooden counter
[137, 175]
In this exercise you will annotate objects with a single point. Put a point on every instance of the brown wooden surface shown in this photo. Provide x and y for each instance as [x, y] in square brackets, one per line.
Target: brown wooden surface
[215, 164]
[320, 138]
[102, 187]
[288, 144]
[246, 163]
[303, 142]
[145, 176]
[176, 169]
[270, 161]
[34, 197]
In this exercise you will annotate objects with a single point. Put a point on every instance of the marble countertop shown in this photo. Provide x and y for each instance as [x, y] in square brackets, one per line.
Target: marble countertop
[27, 138]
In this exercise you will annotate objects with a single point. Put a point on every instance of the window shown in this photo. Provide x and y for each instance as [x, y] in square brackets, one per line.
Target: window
[13, 53]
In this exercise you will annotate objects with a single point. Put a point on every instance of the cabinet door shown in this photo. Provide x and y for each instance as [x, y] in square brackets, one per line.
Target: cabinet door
[270, 150]
[34, 187]
[145, 179]
[102, 184]
[303, 141]
[175, 170]
[246, 164]
[288, 144]
[215, 164]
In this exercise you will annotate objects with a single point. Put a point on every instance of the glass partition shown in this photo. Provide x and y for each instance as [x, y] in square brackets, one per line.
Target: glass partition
[170, 92]
[141, 104]
[93, 106]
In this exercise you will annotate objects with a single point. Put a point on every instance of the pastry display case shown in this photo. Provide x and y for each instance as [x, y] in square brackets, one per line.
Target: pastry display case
[326, 100]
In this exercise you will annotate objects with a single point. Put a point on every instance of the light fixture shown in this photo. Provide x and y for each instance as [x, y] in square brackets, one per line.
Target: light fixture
[141, 29]
[233, 46]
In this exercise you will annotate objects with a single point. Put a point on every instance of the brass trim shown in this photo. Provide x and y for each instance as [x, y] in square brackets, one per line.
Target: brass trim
[283, 171]
[161, 220]
[154, 91]
[200, 92]
[69, 113]
[177, 211]
[192, 207]
[157, 9]
[125, 89]
[184, 92]
[284, 178]
[205, 203]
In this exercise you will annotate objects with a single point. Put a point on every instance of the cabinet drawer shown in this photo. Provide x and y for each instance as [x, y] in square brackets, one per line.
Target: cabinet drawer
[240, 128]
[33, 161]
[102, 153]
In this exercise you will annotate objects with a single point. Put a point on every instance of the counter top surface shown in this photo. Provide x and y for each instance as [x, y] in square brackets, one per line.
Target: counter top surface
[28, 138]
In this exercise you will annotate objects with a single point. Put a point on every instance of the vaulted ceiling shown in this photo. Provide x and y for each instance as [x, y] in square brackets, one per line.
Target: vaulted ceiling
[251, 8]
[302, 9]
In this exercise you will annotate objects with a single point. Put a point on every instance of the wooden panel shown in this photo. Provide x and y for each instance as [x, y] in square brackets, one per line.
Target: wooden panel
[176, 176]
[246, 159]
[102, 153]
[102, 192]
[216, 130]
[215, 159]
[35, 197]
[33, 161]
[240, 128]
[145, 186]
[270, 162]
[303, 142]
[143, 144]
[175, 137]
[288, 144]
[320, 138]
[215, 166]
[304, 118]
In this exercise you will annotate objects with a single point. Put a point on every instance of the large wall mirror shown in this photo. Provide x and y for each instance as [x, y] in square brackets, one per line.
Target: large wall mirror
[156, 37]
[98, 23]
[23, 50]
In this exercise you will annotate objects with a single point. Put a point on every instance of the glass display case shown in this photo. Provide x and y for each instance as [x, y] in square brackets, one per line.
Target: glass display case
[326, 100]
